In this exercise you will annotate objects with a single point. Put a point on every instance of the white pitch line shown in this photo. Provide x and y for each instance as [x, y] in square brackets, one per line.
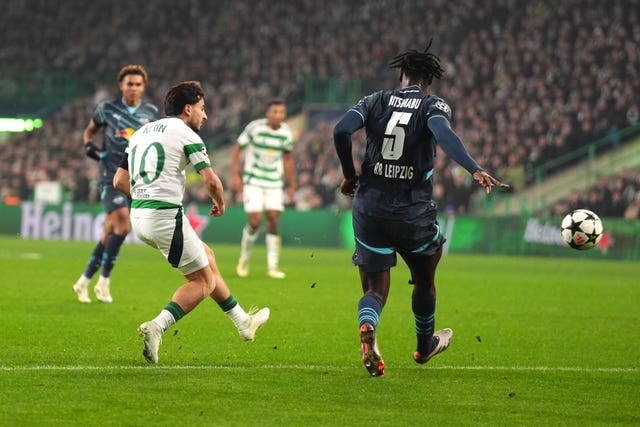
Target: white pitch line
[314, 367]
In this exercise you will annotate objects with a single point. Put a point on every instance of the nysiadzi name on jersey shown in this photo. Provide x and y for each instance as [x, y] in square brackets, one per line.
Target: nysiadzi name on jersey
[393, 171]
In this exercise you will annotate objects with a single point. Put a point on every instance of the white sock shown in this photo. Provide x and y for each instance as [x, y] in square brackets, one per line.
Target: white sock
[165, 319]
[249, 237]
[273, 250]
[238, 316]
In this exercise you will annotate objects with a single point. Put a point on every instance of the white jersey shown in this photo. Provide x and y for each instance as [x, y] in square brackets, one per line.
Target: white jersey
[158, 155]
[264, 146]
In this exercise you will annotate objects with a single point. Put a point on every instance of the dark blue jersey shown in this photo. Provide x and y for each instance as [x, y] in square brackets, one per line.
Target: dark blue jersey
[396, 178]
[119, 123]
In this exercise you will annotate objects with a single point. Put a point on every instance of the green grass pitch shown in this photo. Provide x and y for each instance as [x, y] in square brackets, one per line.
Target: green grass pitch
[538, 341]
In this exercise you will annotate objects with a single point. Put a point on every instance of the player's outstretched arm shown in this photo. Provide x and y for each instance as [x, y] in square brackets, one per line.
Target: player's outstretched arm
[452, 145]
[487, 181]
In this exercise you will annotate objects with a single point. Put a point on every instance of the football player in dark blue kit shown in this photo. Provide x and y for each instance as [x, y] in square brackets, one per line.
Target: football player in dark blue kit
[119, 119]
[393, 210]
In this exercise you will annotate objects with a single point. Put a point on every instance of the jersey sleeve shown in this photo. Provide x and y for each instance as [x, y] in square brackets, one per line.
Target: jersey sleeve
[245, 137]
[439, 107]
[196, 151]
[289, 142]
[99, 117]
[124, 163]
[451, 143]
[363, 107]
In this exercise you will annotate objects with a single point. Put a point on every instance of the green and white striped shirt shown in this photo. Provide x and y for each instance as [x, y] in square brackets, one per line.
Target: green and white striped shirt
[158, 155]
[265, 146]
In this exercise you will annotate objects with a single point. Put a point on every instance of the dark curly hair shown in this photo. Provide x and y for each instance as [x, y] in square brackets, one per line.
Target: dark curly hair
[181, 94]
[418, 65]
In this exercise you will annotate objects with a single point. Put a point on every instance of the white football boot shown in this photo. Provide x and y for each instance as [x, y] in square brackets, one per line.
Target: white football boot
[242, 269]
[254, 321]
[102, 290]
[151, 334]
[81, 288]
[274, 273]
[442, 339]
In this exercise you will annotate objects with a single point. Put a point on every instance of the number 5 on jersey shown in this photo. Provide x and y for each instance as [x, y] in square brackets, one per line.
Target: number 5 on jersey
[393, 142]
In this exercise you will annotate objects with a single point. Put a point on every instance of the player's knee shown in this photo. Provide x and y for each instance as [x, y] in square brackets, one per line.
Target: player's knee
[254, 223]
[122, 229]
[207, 287]
[120, 222]
[204, 280]
[428, 285]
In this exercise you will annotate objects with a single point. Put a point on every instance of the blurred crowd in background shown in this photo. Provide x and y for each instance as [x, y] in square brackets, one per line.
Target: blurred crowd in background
[615, 197]
[528, 82]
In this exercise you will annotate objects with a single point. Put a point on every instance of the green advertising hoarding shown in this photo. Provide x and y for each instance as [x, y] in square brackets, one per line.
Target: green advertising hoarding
[325, 228]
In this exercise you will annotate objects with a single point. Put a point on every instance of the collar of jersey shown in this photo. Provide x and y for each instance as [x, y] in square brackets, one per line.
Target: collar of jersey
[410, 87]
[130, 109]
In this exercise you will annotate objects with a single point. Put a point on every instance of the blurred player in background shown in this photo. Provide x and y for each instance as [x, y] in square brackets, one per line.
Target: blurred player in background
[118, 119]
[268, 159]
[152, 172]
[393, 210]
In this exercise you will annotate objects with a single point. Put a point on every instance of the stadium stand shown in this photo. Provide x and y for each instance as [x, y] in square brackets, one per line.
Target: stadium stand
[527, 83]
[615, 197]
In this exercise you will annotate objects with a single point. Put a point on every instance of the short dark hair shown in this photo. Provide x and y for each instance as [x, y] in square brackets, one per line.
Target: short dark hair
[418, 65]
[136, 70]
[276, 101]
[181, 94]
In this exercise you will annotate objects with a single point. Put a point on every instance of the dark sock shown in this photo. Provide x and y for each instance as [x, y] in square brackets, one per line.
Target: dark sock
[369, 309]
[228, 304]
[111, 250]
[94, 262]
[424, 306]
[176, 311]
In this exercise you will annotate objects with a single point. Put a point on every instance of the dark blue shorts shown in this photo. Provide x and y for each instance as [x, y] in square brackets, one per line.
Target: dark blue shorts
[112, 199]
[378, 239]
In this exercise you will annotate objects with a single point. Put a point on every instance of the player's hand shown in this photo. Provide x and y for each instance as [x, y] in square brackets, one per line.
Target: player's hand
[348, 186]
[92, 151]
[487, 181]
[217, 210]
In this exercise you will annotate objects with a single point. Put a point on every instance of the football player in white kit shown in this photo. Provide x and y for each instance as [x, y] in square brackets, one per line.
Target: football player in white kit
[267, 143]
[152, 172]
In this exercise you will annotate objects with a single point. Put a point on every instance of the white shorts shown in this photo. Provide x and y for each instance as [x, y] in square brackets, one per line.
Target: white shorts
[181, 246]
[258, 199]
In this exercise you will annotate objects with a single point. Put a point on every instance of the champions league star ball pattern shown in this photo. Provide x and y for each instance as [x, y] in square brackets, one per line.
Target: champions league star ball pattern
[582, 229]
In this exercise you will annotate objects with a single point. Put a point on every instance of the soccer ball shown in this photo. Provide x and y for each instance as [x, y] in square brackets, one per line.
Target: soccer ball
[582, 229]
